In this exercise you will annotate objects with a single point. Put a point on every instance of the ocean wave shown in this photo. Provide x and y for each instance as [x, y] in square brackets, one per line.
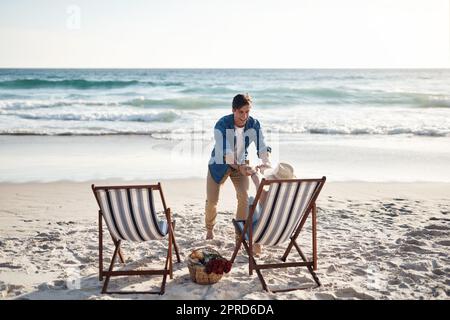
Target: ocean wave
[44, 104]
[185, 103]
[209, 90]
[349, 97]
[53, 132]
[165, 116]
[208, 98]
[79, 84]
[374, 130]
[319, 92]
[176, 135]
[431, 100]
[378, 131]
[408, 100]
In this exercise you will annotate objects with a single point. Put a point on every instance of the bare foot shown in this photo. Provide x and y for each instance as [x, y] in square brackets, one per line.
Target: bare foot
[209, 235]
[257, 249]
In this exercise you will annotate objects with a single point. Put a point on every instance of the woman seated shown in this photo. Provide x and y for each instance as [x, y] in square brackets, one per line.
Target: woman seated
[281, 171]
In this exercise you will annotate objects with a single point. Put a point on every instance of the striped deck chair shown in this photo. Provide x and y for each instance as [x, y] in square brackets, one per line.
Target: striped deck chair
[279, 219]
[130, 215]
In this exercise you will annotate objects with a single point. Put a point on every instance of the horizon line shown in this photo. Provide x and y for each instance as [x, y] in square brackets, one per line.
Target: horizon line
[234, 68]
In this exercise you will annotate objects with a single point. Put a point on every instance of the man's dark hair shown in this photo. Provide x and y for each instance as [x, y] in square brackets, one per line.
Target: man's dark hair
[241, 100]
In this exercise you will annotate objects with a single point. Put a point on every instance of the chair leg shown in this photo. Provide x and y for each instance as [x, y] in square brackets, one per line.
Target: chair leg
[175, 246]
[288, 250]
[314, 236]
[314, 275]
[238, 245]
[111, 266]
[236, 250]
[258, 272]
[310, 269]
[171, 267]
[295, 235]
[169, 253]
[167, 270]
[299, 251]
[121, 258]
[100, 247]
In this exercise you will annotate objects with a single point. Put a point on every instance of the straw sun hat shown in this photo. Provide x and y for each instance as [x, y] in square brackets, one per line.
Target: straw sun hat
[281, 171]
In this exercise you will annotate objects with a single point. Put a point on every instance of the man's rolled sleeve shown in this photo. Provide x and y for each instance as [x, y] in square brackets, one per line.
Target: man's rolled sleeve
[261, 146]
[223, 148]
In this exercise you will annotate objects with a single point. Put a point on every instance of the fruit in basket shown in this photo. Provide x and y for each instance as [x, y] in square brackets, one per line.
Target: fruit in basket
[207, 266]
[197, 254]
[218, 266]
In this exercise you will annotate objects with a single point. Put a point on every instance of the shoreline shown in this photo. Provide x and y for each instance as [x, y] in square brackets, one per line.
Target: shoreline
[383, 188]
[77, 158]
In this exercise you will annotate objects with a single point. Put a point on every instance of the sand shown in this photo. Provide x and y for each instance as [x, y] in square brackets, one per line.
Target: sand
[375, 241]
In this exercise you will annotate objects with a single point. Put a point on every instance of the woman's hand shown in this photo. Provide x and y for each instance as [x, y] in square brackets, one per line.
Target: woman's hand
[263, 167]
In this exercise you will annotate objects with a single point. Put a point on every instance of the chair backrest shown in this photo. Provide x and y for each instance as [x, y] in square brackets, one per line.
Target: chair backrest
[129, 212]
[286, 204]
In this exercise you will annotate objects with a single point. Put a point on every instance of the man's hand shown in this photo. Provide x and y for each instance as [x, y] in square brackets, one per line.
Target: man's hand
[246, 170]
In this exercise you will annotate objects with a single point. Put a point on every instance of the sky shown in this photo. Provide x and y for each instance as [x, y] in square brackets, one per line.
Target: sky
[225, 34]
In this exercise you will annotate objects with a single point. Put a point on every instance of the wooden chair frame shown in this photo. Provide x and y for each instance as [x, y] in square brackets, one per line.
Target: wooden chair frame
[311, 264]
[168, 267]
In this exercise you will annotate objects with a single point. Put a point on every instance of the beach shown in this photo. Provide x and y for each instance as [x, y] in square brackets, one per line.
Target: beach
[375, 241]
[350, 99]
[381, 138]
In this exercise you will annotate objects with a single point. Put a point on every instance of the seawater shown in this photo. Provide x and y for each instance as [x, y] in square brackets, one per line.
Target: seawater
[174, 103]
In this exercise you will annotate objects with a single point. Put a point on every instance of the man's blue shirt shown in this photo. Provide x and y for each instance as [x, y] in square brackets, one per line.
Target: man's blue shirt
[225, 141]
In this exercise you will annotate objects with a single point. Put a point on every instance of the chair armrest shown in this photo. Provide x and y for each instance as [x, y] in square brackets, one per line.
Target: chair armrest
[168, 215]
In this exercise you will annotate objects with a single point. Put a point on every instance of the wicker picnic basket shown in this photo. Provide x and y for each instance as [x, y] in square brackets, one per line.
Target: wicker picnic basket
[197, 269]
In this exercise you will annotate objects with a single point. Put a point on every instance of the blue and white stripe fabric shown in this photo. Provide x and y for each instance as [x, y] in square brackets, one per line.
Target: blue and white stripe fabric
[278, 217]
[130, 214]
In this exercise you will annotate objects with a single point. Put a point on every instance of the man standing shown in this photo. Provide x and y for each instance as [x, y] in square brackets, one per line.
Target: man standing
[233, 134]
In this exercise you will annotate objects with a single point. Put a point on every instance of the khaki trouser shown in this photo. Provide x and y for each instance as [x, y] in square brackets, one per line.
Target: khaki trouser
[241, 185]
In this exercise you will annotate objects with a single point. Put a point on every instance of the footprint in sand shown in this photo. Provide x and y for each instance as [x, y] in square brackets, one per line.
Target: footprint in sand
[7, 289]
[8, 265]
[347, 293]
[415, 242]
[360, 272]
[439, 272]
[414, 249]
[437, 227]
[392, 214]
[403, 286]
[420, 266]
[439, 219]
[405, 211]
[394, 282]
[425, 233]
[331, 269]
[325, 296]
